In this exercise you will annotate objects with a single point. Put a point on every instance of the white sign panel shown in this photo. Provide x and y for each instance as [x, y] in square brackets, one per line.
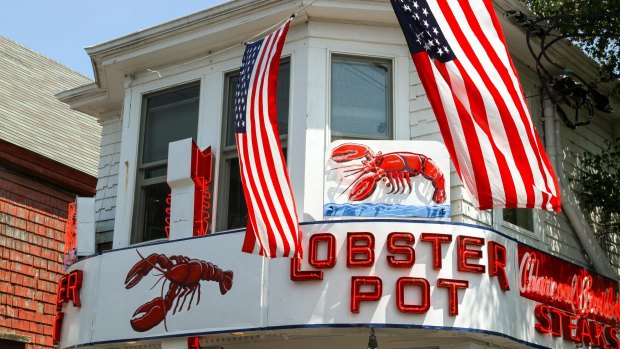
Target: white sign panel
[392, 273]
[387, 179]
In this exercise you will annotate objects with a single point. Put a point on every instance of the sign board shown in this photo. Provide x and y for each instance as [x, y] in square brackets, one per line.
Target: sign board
[387, 179]
[394, 273]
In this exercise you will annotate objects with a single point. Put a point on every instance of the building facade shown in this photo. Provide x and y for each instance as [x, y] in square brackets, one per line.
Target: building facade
[48, 156]
[346, 76]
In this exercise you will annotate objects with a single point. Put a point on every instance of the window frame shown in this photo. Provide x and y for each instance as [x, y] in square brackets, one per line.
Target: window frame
[390, 95]
[501, 225]
[138, 210]
[229, 152]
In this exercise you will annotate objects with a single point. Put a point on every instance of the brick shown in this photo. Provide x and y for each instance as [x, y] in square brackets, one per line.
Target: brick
[21, 291]
[28, 260]
[48, 297]
[35, 250]
[4, 264]
[40, 318]
[10, 311]
[15, 265]
[36, 328]
[49, 309]
[16, 256]
[39, 262]
[16, 279]
[27, 315]
[47, 340]
[30, 227]
[60, 236]
[6, 287]
[5, 322]
[40, 308]
[6, 277]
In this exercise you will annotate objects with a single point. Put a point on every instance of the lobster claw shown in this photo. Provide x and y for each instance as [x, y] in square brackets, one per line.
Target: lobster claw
[350, 151]
[364, 187]
[154, 313]
[140, 270]
[227, 282]
[439, 196]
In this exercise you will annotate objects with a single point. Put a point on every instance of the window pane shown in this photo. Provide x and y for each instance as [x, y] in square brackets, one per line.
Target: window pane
[360, 98]
[169, 117]
[282, 98]
[155, 211]
[237, 209]
[155, 172]
[521, 217]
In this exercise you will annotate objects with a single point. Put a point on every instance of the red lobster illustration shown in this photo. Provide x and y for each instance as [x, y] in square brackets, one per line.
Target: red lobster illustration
[395, 169]
[184, 276]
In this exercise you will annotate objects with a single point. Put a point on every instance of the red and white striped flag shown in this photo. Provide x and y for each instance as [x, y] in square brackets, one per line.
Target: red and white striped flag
[459, 51]
[272, 228]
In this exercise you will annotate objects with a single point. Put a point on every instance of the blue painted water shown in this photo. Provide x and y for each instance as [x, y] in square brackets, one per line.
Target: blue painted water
[385, 210]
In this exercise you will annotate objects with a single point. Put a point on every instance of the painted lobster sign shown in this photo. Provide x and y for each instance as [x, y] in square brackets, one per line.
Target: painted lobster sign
[182, 275]
[387, 178]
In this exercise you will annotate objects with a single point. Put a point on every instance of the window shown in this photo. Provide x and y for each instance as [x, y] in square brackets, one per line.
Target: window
[361, 98]
[232, 209]
[10, 344]
[520, 217]
[167, 116]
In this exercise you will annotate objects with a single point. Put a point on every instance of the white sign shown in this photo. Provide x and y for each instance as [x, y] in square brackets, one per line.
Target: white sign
[403, 274]
[387, 179]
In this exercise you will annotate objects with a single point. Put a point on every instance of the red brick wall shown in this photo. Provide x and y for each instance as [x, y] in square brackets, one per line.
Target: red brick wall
[32, 221]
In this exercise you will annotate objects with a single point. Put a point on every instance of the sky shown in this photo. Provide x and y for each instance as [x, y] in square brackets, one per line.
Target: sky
[61, 29]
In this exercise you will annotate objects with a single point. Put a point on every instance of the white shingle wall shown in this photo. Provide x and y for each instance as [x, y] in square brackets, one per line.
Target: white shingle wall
[107, 180]
[589, 138]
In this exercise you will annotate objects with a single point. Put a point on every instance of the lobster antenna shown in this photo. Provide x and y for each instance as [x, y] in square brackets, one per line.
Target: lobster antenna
[345, 166]
[152, 265]
[350, 185]
[354, 172]
[164, 303]
[162, 276]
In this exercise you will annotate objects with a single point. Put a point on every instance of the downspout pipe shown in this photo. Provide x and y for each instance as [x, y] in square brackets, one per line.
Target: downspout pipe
[553, 144]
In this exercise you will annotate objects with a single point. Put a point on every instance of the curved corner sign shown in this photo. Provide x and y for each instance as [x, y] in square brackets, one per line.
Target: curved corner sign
[387, 179]
[389, 272]
[574, 304]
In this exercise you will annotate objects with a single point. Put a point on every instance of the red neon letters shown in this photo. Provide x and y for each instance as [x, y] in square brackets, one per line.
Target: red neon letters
[575, 328]
[406, 250]
[437, 240]
[425, 293]
[360, 250]
[202, 167]
[330, 259]
[453, 297]
[464, 242]
[68, 290]
[412, 293]
[497, 264]
[358, 295]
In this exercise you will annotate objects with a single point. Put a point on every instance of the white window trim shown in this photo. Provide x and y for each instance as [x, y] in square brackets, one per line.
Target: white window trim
[317, 90]
[400, 89]
[130, 139]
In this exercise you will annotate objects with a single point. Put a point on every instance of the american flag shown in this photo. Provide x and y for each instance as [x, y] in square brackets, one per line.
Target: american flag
[460, 54]
[272, 228]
